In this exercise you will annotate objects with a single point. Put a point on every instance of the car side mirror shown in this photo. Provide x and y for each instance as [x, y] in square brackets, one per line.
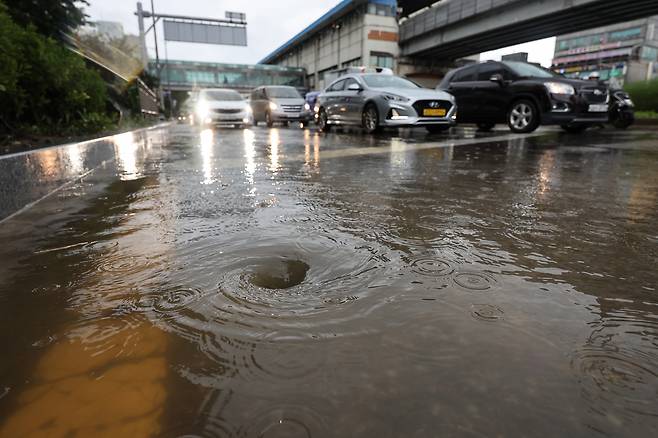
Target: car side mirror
[354, 87]
[497, 78]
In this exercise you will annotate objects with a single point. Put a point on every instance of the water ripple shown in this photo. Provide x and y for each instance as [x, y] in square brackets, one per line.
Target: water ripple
[431, 267]
[474, 281]
[618, 376]
[486, 312]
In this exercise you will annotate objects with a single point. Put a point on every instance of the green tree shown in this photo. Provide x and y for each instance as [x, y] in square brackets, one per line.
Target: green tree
[44, 86]
[52, 18]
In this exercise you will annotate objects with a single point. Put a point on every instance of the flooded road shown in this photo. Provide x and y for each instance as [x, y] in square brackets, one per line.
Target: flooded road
[285, 283]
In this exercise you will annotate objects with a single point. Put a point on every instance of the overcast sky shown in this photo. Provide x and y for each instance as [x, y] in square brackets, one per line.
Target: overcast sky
[271, 23]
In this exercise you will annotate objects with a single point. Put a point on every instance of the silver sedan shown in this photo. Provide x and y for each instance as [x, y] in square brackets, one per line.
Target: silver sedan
[376, 100]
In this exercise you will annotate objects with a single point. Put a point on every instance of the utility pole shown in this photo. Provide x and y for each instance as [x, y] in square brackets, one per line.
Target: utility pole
[142, 35]
[155, 37]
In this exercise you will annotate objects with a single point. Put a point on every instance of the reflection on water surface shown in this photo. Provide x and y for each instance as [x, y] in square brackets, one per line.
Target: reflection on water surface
[285, 283]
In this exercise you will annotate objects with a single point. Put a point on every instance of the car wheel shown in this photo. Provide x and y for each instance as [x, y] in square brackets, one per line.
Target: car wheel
[435, 129]
[323, 122]
[574, 129]
[523, 116]
[370, 119]
[485, 127]
[268, 120]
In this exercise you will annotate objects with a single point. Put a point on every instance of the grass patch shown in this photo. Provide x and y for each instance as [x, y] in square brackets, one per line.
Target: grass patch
[653, 115]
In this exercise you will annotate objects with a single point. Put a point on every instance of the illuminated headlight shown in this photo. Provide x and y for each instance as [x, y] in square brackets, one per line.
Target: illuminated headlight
[454, 115]
[316, 110]
[559, 88]
[202, 110]
[307, 107]
[395, 98]
[395, 115]
[273, 106]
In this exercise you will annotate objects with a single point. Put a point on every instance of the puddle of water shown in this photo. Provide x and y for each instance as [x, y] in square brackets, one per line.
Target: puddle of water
[278, 283]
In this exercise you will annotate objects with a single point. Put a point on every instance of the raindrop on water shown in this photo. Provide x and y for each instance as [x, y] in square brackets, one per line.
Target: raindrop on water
[474, 281]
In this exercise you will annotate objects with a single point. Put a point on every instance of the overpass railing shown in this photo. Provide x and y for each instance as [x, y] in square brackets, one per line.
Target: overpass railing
[446, 13]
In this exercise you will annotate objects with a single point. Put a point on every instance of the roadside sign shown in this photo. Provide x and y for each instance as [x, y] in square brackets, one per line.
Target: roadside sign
[205, 33]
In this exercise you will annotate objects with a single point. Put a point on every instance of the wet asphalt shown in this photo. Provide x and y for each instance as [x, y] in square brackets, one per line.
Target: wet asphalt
[282, 282]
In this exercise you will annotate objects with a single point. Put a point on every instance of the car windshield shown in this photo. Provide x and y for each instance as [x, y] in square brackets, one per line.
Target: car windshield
[528, 70]
[222, 95]
[387, 81]
[283, 92]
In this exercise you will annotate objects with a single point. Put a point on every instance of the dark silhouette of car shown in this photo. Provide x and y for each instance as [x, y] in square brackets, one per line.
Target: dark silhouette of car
[524, 96]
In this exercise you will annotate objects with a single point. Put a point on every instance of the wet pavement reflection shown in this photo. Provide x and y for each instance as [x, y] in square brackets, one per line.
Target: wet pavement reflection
[219, 283]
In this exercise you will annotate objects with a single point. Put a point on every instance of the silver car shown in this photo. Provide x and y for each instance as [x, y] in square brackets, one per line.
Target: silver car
[271, 104]
[220, 106]
[376, 100]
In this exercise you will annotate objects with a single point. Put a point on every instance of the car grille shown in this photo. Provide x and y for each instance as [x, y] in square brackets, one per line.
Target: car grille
[228, 111]
[431, 104]
[291, 108]
[594, 95]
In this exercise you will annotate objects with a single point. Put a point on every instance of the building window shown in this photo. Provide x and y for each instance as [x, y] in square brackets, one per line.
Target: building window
[649, 53]
[378, 59]
[627, 34]
[200, 77]
[576, 43]
[353, 63]
[384, 10]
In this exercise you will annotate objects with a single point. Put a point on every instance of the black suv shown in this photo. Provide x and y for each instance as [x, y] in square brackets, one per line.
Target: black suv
[524, 96]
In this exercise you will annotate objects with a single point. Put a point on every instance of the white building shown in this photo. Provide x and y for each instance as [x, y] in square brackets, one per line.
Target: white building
[353, 33]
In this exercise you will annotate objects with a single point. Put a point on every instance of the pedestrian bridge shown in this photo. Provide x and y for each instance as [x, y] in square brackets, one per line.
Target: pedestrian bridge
[453, 29]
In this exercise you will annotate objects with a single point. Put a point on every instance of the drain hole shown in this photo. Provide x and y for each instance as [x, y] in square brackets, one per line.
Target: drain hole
[279, 274]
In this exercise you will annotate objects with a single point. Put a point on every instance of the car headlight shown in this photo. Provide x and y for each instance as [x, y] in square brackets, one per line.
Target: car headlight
[559, 88]
[395, 98]
[247, 109]
[202, 110]
[307, 107]
[273, 106]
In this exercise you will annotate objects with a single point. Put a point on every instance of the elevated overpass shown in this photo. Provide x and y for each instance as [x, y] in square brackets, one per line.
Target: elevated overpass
[452, 29]
[189, 76]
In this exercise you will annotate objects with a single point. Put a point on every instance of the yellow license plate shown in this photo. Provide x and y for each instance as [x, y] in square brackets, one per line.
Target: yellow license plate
[434, 112]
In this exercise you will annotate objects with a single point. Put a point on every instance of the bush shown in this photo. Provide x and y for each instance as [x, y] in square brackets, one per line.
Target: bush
[644, 95]
[45, 85]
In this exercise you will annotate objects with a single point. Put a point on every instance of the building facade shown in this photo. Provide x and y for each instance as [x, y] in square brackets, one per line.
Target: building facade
[354, 33]
[621, 53]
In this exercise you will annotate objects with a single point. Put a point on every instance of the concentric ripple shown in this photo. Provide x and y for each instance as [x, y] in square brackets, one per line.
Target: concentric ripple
[293, 278]
[287, 421]
[431, 267]
[623, 378]
[286, 355]
[474, 281]
[486, 312]
[176, 299]
[169, 303]
[289, 355]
